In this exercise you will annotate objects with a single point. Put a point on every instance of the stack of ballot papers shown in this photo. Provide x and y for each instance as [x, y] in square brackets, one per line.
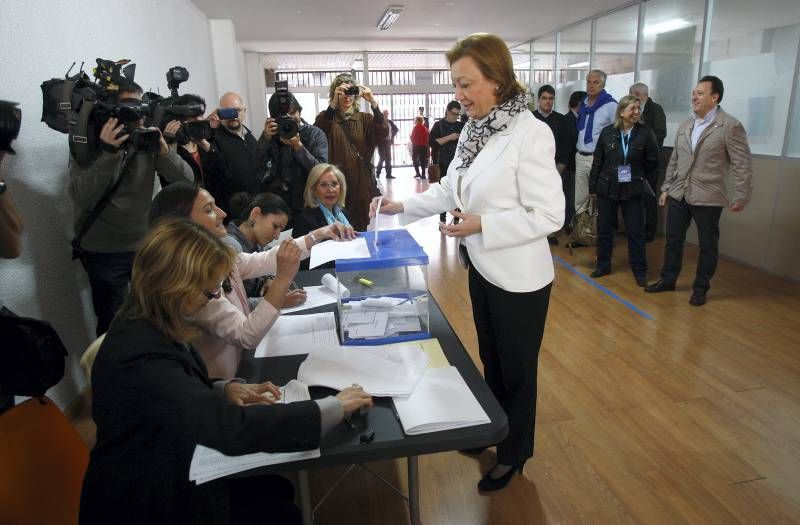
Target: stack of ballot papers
[381, 370]
[328, 251]
[299, 334]
[209, 464]
[378, 317]
[441, 401]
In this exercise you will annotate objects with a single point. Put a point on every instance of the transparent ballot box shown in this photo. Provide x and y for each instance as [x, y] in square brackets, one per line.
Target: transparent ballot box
[384, 298]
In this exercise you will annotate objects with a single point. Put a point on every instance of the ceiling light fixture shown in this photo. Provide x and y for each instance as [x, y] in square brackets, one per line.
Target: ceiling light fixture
[667, 26]
[389, 17]
[579, 64]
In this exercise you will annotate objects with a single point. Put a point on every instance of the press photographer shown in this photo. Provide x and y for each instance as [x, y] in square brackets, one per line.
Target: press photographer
[295, 147]
[112, 195]
[10, 220]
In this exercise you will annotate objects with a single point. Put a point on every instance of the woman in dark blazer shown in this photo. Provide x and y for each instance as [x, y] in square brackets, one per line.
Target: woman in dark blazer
[625, 167]
[324, 196]
[153, 402]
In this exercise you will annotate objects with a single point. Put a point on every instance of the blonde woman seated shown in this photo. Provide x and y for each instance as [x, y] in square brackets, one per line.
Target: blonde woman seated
[153, 401]
[324, 197]
[227, 323]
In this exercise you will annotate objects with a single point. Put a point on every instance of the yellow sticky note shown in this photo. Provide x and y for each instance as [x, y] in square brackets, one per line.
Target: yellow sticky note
[435, 353]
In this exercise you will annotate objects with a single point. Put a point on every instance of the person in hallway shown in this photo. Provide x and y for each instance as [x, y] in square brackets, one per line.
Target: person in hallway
[625, 159]
[153, 401]
[568, 177]
[444, 139]
[504, 179]
[419, 147]
[325, 195]
[352, 139]
[596, 112]
[385, 148]
[652, 116]
[709, 147]
[563, 135]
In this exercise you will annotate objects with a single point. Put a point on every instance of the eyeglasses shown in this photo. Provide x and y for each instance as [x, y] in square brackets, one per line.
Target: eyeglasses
[216, 293]
[328, 185]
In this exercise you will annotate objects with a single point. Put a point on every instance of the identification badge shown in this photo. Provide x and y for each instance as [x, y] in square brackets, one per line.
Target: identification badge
[624, 173]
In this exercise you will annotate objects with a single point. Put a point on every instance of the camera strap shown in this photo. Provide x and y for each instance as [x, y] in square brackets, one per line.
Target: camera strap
[347, 134]
[119, 175]
[80, 134]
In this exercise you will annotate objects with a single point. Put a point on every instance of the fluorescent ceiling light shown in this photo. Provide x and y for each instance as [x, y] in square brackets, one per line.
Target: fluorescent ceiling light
[579, 64]
[667, 26]
[389, 17]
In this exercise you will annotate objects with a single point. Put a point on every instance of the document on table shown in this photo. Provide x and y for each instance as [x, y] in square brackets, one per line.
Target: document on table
[299, 334]
[441, 401]
[389, 370]
[315, 296]
[209, 464]
[331, 250]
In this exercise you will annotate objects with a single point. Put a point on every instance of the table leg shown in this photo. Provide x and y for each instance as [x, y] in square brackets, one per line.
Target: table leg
[413, 490]
[305, 497]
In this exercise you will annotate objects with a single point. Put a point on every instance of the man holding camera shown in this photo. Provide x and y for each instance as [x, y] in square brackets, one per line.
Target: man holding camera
[124, 181]
[245, 156]
[294, 148]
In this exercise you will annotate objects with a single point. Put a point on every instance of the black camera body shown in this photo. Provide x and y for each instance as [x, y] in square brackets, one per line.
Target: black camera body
[280, 104]
[353, 91]
[10, 122]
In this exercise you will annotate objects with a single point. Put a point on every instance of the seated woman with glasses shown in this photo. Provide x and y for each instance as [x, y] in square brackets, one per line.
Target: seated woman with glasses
[324, 197]
[228, 325]
[153, 401]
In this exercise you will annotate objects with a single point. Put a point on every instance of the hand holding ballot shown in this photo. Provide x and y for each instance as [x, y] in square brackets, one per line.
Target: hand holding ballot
[388, 207]
[336, 232]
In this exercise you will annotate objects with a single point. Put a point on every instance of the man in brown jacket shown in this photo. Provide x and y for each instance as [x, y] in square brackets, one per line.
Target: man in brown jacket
[707, 147]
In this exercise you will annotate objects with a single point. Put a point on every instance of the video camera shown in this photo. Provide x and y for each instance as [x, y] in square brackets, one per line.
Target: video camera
[176, 107]
[280, 104]
[10, 121]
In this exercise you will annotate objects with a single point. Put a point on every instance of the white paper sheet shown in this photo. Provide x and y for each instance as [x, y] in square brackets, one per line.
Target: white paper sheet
[209, 464]
[331, 250]
[390, 370]
[441, 401]
[299, 334]
[315, 296]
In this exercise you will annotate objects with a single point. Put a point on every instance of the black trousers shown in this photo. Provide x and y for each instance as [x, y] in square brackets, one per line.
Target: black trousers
[263, 500]
[510, 327]
[634, 230]
[651, 202]
[679, 215]
[568, 186]
[419, 155]
[384, 156]
[109, 275]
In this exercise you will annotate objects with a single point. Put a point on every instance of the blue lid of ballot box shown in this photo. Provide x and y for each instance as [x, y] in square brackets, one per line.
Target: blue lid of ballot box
[395, 248]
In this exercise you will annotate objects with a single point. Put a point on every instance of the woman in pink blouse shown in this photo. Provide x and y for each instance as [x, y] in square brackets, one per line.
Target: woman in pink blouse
[228, 324]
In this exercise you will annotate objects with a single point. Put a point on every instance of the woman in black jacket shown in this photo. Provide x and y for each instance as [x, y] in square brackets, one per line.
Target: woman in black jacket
[153, 402]
[625, 167]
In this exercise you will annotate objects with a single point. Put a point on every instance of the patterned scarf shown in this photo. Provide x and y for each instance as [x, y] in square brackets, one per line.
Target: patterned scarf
[478, 132]
[337, 215]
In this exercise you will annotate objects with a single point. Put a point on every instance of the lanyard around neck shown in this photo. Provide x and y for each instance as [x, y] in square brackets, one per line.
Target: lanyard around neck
[626, 139]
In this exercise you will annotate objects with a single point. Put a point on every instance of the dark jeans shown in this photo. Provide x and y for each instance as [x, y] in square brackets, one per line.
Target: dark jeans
[263, 500]
[634, 230]
[679, 215]
[568, 186]
[510, 328]
[109, 275]
[384, 156]
[419, 155]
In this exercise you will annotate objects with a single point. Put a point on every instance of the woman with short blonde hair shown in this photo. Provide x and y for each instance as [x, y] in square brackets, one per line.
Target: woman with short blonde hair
[314, 175]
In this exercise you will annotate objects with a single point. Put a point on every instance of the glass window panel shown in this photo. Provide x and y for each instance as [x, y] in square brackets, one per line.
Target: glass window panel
[572, 62]
[794, 131]
[544, 57]
[615, 51]
[672, 34]
[437, 105]
[761, 41]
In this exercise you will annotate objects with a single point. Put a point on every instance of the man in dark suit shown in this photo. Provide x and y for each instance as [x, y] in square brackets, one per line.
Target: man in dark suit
[652, 116]
[565, 141]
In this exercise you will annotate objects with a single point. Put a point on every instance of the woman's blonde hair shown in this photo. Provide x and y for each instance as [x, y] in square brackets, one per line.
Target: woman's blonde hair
[623, 104]
[177, 258]
[313, 178]
[344, 78]
[493, 58]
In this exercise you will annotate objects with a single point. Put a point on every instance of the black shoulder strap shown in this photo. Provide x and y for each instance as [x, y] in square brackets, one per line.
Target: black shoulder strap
[119, 175]
[80, 134]
[347, 134]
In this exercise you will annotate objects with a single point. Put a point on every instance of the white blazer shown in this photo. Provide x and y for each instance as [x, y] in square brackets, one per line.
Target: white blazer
[514, 186]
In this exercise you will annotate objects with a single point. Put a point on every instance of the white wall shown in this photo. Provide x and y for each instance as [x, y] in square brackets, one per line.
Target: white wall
[229, 62]
[39, 40]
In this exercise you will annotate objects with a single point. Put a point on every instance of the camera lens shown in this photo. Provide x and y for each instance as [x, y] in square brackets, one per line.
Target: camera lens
[352, 91]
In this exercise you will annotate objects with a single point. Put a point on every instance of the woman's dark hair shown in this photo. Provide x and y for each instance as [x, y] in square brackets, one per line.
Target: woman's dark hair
[176, 200]
[242, 204]
[716, 86]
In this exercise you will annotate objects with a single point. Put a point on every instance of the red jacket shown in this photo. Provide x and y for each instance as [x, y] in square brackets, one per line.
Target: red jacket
[420, 135]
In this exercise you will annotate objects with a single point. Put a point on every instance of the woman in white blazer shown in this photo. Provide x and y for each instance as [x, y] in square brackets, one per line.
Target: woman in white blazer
[504, 180]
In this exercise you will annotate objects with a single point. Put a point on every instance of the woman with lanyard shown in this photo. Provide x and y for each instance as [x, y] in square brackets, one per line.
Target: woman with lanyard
[324, 196]
[504, 179]
[625, 166]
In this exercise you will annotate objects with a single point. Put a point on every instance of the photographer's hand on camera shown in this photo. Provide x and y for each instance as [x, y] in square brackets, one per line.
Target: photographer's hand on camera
[171, 129]
[366, 94]
[294, 142]
[270, 128]
[110, 134]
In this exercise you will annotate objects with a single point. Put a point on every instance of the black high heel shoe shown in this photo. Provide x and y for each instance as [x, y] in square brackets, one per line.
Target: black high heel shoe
[489, 484]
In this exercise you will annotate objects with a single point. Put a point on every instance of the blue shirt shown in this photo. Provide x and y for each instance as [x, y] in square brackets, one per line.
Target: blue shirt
[700, 124]
[603, 117]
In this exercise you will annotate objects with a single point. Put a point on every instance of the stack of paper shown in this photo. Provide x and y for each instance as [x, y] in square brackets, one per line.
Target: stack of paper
[209, 464]
[378, 317]
[332, 250]
[298, 334]
[380, 370]
[441, 401]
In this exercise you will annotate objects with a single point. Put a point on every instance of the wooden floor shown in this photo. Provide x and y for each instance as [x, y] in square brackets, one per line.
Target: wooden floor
[690, 416]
